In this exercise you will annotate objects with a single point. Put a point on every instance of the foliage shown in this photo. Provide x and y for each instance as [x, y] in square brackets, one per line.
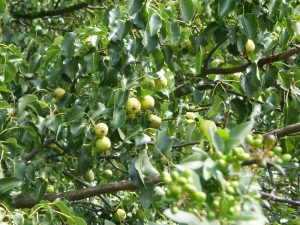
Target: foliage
[194, 91]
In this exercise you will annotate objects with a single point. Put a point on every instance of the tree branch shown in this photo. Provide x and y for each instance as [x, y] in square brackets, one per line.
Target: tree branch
[294, 128]
[279, 199]
[260, 63]
[184, 89]
[51, 13]
[28, 202]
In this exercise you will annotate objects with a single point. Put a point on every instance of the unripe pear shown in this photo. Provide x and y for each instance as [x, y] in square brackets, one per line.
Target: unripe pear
[237, 76]
[101, 130]
[190, 116]
[59, 93]
[50, 189]
[147, 102]
[155, 121]
[120, 215]
[190, 47]
[162, 81]
[103, 144]
[89, 176]
[107, 173]
[133, 105]
[249, 47]
[148, 83]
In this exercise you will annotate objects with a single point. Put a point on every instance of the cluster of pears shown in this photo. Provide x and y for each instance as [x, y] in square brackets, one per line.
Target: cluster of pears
[181, 188]
[102, 143]
[133, 105]
[267, 147]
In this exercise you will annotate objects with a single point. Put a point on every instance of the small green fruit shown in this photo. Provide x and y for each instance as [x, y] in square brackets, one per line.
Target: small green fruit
[59, 93]
[147, 102]
[278, 161]
[249, 47]
[190, 47]
[175, 175]
[286, 157]
[222, 164]
[200, 196]
[133, 105]
[107, 173]
[101, 130]
[155, 121]
[174, 209]
[103, 144]
[277, 150]
[140, 214]
[162, 81]
[50, 189]
[148, 83]
[176, 191]
[166, 177]
[190, 116]
[237, 76]
[249, 139]
[89, 176]
[257, 143]
[120, 215]
[211, 215]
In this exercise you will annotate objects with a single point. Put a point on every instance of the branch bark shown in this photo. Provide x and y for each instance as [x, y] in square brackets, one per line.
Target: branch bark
[279, 199]
[291, 129]
[51, 13]
[185, 89]
[28, 202]
[260, 63]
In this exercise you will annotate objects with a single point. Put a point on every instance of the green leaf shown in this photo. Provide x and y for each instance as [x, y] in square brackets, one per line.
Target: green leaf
[3, 88]
[74, 114]
[4, 104]
[10, 72]
[238, 134]
[175, 31]
[134, 174]
[183, 217]
[248, 24]
[40, 190]
[146, 196]
[154, 24]
[70, 67]
[215, 108]
[119, 118]
[25, 101]
[107, 222]
[209, 168]
[2, 6]
[225, 7]
[67, 45]
[92, 62]
[144, 166]
[8, 183]
[187, 9]
[150, 42]
[164, 142]
[137, 130]
[134, 6]
[270, 77]
[251, 82]
[77, 128]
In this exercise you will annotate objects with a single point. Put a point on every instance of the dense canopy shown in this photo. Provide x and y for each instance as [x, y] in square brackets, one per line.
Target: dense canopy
[149, 112]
